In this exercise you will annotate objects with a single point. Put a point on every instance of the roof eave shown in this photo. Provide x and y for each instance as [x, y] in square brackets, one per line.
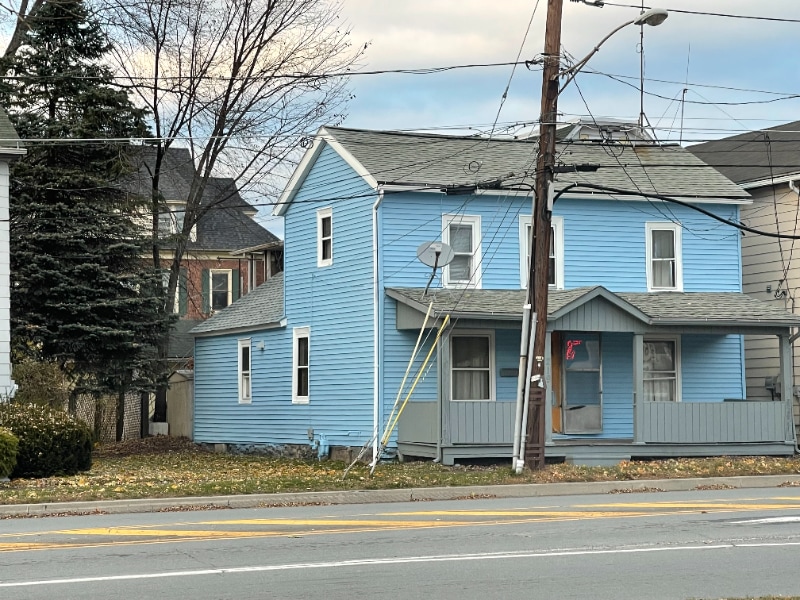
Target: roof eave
[235, 330]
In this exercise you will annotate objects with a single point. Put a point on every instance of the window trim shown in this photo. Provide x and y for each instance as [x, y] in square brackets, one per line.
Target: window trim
[474, 221]
[676, 339]
[211, 272]
[299, 333]
[675, 228]
[245, 391]
[322, 214]
[492, 356]
[557, 224]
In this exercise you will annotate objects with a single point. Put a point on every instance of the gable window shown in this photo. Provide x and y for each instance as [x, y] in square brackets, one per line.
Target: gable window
[170, 219]
[661, 375]
[463, 234]
[301, 337]
[324, 237]
[555, 272]
[472, 366]
[221, 288]
[664, 268]
[245, 381]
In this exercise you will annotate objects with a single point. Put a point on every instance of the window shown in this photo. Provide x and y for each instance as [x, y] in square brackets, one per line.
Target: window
[170, 219]
[555, 273]
[245, 381]
[324, 237]
[463, 234]
[661, 377]
[300, 352]
[472, 366]
[664, 269]
[221, 289]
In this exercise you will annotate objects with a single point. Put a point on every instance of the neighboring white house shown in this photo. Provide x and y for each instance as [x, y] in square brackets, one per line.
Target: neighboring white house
[10, 148]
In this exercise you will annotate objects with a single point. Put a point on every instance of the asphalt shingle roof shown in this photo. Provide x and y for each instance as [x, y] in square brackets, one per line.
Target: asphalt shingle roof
[673, 308]
[438, 160]
[226, 226]
[263, 306]
[8, 135]
[755, 155]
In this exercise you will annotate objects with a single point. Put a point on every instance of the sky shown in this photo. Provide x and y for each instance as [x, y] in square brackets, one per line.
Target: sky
[706, 76]
[705, 55]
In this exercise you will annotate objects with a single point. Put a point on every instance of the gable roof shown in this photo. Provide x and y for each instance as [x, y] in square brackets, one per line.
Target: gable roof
[10, 144]
[428, 161]
[667, 309]
[755, 156]
[260, 309]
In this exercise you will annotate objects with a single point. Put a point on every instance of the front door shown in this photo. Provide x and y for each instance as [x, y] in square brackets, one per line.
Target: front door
[581, 383]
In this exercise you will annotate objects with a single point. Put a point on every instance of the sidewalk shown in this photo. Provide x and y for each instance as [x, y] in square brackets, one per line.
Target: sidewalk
[398, 495]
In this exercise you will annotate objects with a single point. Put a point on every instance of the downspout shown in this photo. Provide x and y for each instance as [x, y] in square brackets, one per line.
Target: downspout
[377, 415]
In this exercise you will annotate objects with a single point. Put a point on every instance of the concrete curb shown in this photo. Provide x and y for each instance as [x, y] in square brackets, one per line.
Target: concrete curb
[528, 490]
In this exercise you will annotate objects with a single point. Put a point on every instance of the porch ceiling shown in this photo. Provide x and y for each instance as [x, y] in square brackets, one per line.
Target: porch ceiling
[664, 309]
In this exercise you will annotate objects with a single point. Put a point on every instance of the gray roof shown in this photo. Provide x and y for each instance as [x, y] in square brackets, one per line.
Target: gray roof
[226, 226]
[756, 155]
[668, 308]
[8, 135]
[260, 308]
[181, 342]
[439, 160]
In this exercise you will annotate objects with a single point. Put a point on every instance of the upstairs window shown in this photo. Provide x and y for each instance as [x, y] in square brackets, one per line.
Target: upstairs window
[463, 234]
[221, 289]
[324, 237]
[555, 272]
[245, 381]
[664, 268]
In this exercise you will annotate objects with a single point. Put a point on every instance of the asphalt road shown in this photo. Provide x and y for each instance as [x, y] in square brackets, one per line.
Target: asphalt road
[700, 544]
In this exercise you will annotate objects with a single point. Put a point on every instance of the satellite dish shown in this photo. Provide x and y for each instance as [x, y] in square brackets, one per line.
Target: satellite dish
[435, 254]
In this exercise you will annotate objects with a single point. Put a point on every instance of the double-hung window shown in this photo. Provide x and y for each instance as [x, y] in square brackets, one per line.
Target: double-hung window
[221, 288]
[664, 265]
[301, 338]
[324, 237]
[661, 370]
[245, 380]
[555, 271]
[463, 234]
[472, 366]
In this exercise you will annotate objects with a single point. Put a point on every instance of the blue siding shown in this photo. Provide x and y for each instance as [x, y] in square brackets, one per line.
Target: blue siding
[604, 241]
[711, 368]
[506, 357]
[617, 351]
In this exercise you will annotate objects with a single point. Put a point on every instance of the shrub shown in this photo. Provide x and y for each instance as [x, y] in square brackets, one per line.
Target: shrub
[40, 382]
[50, 441]
[8, 452]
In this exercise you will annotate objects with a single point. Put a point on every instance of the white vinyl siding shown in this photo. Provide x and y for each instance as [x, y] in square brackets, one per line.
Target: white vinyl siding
[245, 381]
[555, 273]
[324, 237]
[301, 342]
[664, 265]
[463, 234]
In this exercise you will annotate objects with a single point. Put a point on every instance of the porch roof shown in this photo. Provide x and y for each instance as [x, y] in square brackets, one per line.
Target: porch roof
[721, 309]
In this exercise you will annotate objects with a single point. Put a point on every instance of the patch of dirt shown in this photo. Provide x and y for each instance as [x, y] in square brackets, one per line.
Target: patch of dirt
[159, 444]
[635, 491]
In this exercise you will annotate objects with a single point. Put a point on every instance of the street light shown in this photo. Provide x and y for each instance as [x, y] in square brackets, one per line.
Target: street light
[541, 213]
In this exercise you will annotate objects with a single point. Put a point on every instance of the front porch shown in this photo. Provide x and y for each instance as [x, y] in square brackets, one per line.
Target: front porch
[617, 412]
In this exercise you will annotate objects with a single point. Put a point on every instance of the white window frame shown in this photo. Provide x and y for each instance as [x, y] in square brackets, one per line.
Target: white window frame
[474, 221]
[676, 229]
[525, 225]
[492, 375]
[176, 305]
[245, 376]
[676, 339]
[322, 214]
[211, 273]
[299, 333]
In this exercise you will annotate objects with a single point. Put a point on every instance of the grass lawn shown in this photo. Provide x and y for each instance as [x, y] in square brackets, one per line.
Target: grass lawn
[168, 467]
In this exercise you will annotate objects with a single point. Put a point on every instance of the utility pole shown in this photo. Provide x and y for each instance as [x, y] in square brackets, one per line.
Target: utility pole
[540, 239]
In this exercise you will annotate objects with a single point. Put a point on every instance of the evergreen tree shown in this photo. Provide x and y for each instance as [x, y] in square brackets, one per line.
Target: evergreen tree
[81, 294]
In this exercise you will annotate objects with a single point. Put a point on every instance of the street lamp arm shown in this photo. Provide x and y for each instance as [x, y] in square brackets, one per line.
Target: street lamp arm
[653, 17]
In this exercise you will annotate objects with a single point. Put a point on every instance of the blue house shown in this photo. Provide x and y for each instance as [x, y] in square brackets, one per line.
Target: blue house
[646, 314]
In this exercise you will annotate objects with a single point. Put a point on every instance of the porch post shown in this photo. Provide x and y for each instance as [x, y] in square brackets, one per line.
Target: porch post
[444, 391]
[638, 387]
[787, 388]
[548, 398]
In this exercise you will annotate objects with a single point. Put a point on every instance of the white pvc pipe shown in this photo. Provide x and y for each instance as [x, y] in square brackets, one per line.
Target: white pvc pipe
[378, 303]
[523, 359]
[528, 372]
